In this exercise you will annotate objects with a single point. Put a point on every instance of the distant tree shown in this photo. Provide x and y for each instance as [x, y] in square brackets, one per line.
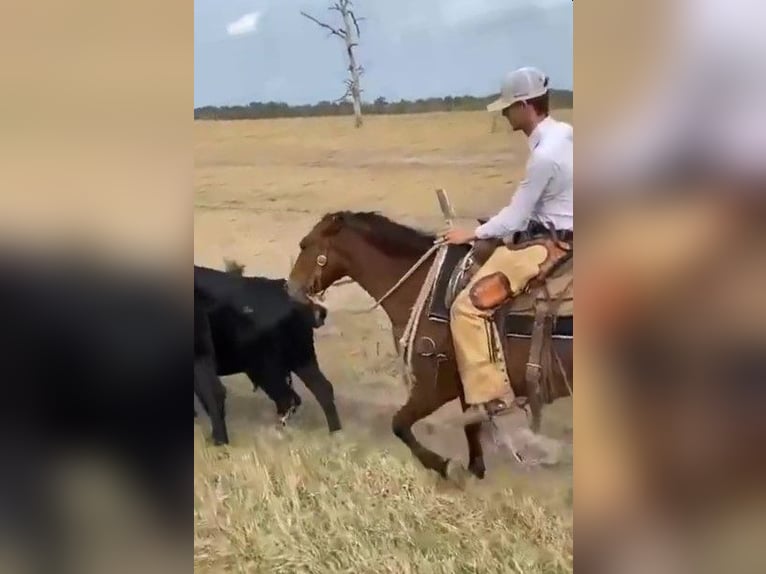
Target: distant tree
[255, 110]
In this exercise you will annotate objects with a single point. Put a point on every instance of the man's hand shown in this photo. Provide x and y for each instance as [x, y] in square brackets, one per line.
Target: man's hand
[455, 236]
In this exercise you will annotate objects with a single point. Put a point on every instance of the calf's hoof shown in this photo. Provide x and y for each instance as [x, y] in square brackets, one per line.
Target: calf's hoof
[287, 415]
[220, 440]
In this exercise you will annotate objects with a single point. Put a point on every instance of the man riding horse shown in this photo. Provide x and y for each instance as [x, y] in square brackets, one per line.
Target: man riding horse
[535, 227]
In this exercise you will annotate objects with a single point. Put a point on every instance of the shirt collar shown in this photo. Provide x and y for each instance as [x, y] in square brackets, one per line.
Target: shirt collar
[537, 133]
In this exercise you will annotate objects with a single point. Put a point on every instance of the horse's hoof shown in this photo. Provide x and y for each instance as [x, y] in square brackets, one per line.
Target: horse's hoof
[337, 435]
[477, 469]
[456, 473]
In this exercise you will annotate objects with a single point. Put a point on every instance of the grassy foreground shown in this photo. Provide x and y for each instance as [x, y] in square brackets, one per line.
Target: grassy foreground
[302, 503]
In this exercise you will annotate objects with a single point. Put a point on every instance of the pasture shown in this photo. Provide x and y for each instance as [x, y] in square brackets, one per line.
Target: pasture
[300, 500]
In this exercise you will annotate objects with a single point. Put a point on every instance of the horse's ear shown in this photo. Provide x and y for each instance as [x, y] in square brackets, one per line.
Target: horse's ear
[334, 223]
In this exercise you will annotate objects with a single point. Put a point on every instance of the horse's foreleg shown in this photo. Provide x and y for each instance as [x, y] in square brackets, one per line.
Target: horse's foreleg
[420, 404]
[475, 450]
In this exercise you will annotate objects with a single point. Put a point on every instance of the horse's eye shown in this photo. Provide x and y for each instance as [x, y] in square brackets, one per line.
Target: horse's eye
[302, 244]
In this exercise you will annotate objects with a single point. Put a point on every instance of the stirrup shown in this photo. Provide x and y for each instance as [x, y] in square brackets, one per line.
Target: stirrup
[522, 403]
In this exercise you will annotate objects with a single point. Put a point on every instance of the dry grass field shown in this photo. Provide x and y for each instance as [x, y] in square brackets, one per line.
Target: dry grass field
[298, 500]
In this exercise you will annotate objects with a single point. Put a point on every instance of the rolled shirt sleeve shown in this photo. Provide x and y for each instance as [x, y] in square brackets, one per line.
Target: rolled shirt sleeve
[513, 217]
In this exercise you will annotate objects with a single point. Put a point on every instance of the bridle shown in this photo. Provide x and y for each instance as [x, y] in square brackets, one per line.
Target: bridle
[315, 293]
[314, 285]
[315, 281]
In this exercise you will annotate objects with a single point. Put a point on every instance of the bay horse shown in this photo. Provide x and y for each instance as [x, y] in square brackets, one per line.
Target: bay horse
[376, 253]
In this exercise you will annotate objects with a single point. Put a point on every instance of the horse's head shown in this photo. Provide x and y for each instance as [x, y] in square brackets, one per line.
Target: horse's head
[343, 243]
[320, 262]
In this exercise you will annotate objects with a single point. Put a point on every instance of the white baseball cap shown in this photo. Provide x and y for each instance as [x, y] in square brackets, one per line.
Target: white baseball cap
[522, 84]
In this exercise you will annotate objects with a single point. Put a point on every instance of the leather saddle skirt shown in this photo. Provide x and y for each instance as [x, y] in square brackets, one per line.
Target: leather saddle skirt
[455, 271]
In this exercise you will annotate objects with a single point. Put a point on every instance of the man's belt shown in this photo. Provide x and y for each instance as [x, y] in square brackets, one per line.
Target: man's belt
[535, 230]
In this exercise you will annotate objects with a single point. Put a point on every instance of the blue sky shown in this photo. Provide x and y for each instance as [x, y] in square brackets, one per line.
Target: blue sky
[259, 50]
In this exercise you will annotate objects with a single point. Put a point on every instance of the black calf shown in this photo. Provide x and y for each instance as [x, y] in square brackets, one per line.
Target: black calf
[257, 329]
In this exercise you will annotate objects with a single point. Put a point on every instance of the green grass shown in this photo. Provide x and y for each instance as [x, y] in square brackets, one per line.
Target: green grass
[300, 502]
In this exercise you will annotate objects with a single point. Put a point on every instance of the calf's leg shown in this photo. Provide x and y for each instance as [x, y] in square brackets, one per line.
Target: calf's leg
[212, 394]
[322, 389]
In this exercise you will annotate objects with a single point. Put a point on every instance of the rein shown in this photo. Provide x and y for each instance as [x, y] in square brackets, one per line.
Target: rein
[406, 342]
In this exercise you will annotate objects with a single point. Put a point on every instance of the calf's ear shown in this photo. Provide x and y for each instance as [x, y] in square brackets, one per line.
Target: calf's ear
[233, 267]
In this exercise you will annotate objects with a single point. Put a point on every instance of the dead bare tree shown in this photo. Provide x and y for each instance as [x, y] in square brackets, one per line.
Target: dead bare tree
[349, 33]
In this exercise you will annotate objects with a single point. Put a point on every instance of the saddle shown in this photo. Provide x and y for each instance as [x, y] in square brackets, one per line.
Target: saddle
[554, 296]
[542, 312]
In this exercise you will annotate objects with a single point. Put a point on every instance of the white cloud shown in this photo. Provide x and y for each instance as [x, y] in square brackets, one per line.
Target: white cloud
[457, 12]
[246, 24]
[435, 14]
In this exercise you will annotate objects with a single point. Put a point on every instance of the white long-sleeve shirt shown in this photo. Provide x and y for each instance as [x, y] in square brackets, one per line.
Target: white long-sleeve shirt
[545, 194]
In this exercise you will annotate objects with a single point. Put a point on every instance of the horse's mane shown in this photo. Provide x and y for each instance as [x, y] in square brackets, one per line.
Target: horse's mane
[390, 237]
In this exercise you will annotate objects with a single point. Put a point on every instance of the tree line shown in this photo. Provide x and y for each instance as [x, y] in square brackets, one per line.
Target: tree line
[262, 110]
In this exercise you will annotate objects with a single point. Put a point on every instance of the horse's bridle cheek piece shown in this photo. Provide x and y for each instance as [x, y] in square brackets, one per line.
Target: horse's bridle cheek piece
[315, 285]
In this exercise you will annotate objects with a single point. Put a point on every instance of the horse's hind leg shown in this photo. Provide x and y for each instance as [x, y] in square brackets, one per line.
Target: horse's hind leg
[422, 402]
